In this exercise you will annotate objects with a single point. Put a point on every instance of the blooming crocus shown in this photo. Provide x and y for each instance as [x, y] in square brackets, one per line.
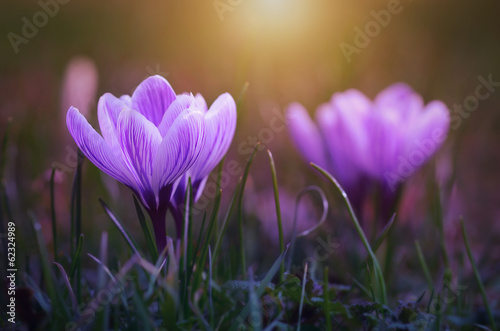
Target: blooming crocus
[220, 121]
[361, 141]
[149, 140]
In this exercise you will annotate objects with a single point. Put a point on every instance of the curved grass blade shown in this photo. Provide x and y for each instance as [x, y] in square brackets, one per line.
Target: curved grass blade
[311, 229]
[158, 266]
[477, 276]
[278, 209]
[68, 285]
[379, 277]
[120, 227]
[146, 230]
[103, 266]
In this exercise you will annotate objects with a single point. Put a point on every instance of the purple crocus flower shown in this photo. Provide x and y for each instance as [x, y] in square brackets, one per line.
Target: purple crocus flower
[363, 142]
[149, 140]
[220, 121]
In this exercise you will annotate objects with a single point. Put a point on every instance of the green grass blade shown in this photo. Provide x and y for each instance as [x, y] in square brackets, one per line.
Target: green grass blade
[240, 210]
[58, 306]
[383, 235]
[379, 277]
[477, 276]
[200, 262]
[187, 249]
[424, 266]
[210, 296]
[225, 222]
[242, 95]
[103, 266]
[75, 259]
[324, 214]
[68, 285]
[278, 210]
[158, 266]
[302, 295]
[120, 227]
[311, 229]
[146, 230]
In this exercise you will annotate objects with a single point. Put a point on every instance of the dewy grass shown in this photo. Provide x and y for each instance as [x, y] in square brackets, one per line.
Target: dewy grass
[189, 295]
[278, 209]
[379, 277]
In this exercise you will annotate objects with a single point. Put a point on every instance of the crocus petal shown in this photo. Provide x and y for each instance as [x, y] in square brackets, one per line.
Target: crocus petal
[352, 101]
[305, 134]
[429, 131]
[201, 103]
[386, 138]
[220, 122]
[352, 107]
[340, 147]
[152, 98]
[139, 141]
[96, 149]
[108, 110]
[183, 102]
[400, 99]
[179, 149]
[127, 99]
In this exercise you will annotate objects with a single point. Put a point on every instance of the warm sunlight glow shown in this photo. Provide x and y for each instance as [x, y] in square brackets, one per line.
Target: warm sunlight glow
[277, 18]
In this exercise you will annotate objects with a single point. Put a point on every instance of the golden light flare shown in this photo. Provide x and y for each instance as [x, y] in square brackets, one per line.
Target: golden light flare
[276, 18]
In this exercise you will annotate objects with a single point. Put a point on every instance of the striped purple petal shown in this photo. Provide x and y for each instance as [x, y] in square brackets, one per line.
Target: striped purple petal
[139, 140]
[180, 148]
[152, 98]
[182, 103]
[96, 149]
